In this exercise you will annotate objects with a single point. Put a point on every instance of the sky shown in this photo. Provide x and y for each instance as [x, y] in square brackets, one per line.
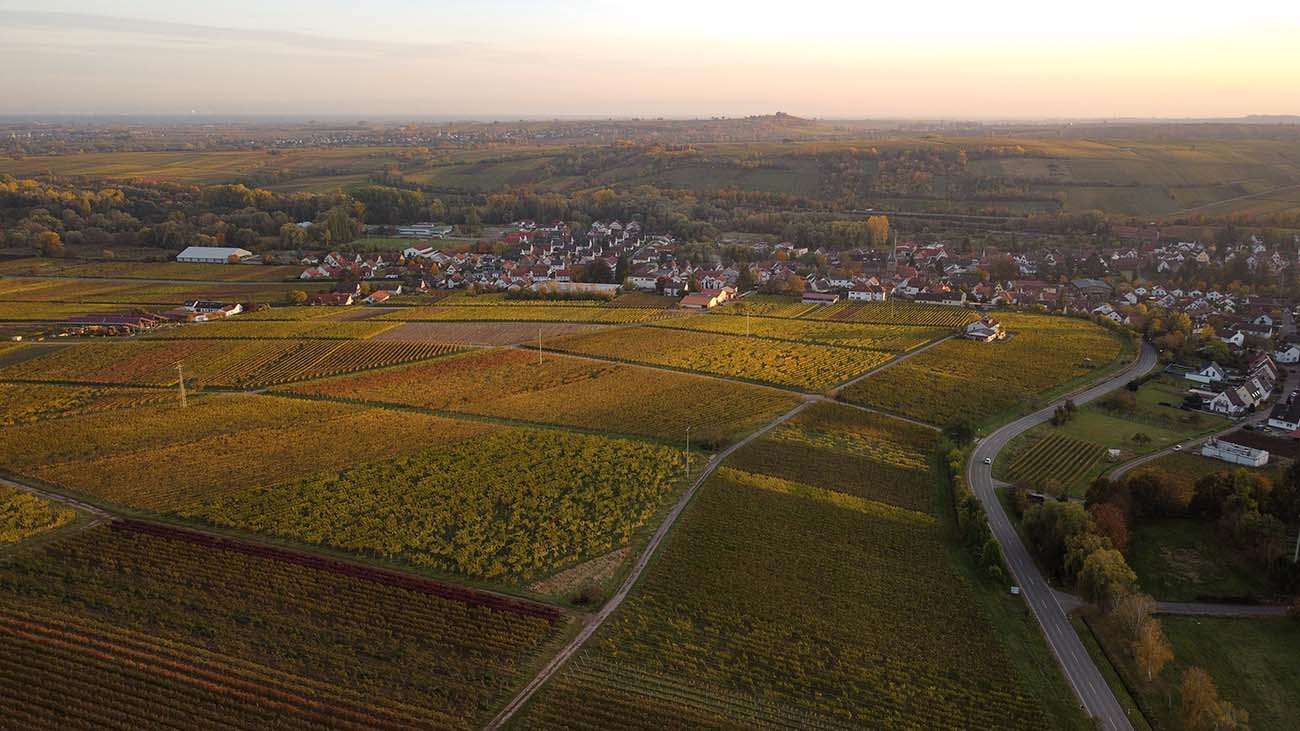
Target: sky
[999, 59]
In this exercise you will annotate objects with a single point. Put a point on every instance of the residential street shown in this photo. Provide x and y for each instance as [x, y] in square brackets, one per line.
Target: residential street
[1082, 673]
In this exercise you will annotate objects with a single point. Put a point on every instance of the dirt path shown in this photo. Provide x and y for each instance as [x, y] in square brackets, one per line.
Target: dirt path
[890, 364]
[596, 620]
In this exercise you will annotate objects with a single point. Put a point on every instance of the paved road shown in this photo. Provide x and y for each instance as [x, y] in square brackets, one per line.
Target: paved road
[597, 619]
[1289, 383]
[1097, 698]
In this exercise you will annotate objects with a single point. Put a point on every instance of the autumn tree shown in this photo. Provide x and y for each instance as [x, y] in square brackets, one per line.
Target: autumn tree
[1104, 576]
[1151, 650]
[878, 230]
[292, 236]
[49, 244]
[1202, 708]
[1109, 521]
[1132, 610]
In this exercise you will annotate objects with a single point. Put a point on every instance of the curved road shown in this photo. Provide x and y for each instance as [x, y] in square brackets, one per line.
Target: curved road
[1097, 698]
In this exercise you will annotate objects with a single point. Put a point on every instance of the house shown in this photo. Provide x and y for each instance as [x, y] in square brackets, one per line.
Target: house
[986, 330]
[1238, 339]
[1091, 287]
[707, 298]
[1211, 373]
[868, 293]
[378, 297]
[1229, 402]
[212, 310]
[1234, 453]
[1286, 415]
[1287, 353]
[212, 255]
[332, 299]
[820, 298]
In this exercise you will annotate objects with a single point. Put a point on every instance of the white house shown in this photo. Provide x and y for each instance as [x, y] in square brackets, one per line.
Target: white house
[1286, 416]
[867, 293]
[1288, 353]
[1229, 402]
[1234, 453]
[1211, 373]
[1238, 339]
[212, 255]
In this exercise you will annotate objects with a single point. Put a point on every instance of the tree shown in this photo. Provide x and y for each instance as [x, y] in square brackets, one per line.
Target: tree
[1049, 526]
[1132, 610]
[745, 281]
[296, 297]
[621, 269]
[1105, 575]
[1154, 495]
[960, 431]
[292, 236]
[1151, 649]
[878, 230]
[1109, 521]
[1283, 502]
[49, 244]
[1003, 268]
[1200, 700]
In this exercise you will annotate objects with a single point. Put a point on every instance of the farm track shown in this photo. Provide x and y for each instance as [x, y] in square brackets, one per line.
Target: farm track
[595, 621]
[890, 364]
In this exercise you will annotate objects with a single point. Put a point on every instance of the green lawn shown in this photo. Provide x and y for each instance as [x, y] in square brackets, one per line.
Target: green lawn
[1182, 559]
[1254, 662]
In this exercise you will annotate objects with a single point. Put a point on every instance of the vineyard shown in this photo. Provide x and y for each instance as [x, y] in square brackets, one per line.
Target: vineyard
[23, 515]
[888, 338]
[767, 305]
[790, 364]
[148, 270]
[576, 392]
[118, 629]
[165, 458]
[895, 313]
[734, 625]
[242, 329]
[526, 311]
[483, 333]
[136, 293]
[245, 364]
[50, 311]
[850, 451]
[964, 378]
[509, 504]
[28, 402]
[1056, 457]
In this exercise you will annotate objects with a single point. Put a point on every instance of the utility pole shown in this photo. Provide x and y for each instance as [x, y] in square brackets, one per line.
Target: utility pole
[1295, 557]
[688, 453]
[890, 294]
[180, 381]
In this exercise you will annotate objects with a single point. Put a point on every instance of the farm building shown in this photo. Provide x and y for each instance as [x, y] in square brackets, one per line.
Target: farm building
[1234, 453]
[212, 255]
[986, 330]
[820, 298]
[706, 298]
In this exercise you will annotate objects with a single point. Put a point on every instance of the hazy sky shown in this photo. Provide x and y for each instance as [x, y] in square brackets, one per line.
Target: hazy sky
[995, 59]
